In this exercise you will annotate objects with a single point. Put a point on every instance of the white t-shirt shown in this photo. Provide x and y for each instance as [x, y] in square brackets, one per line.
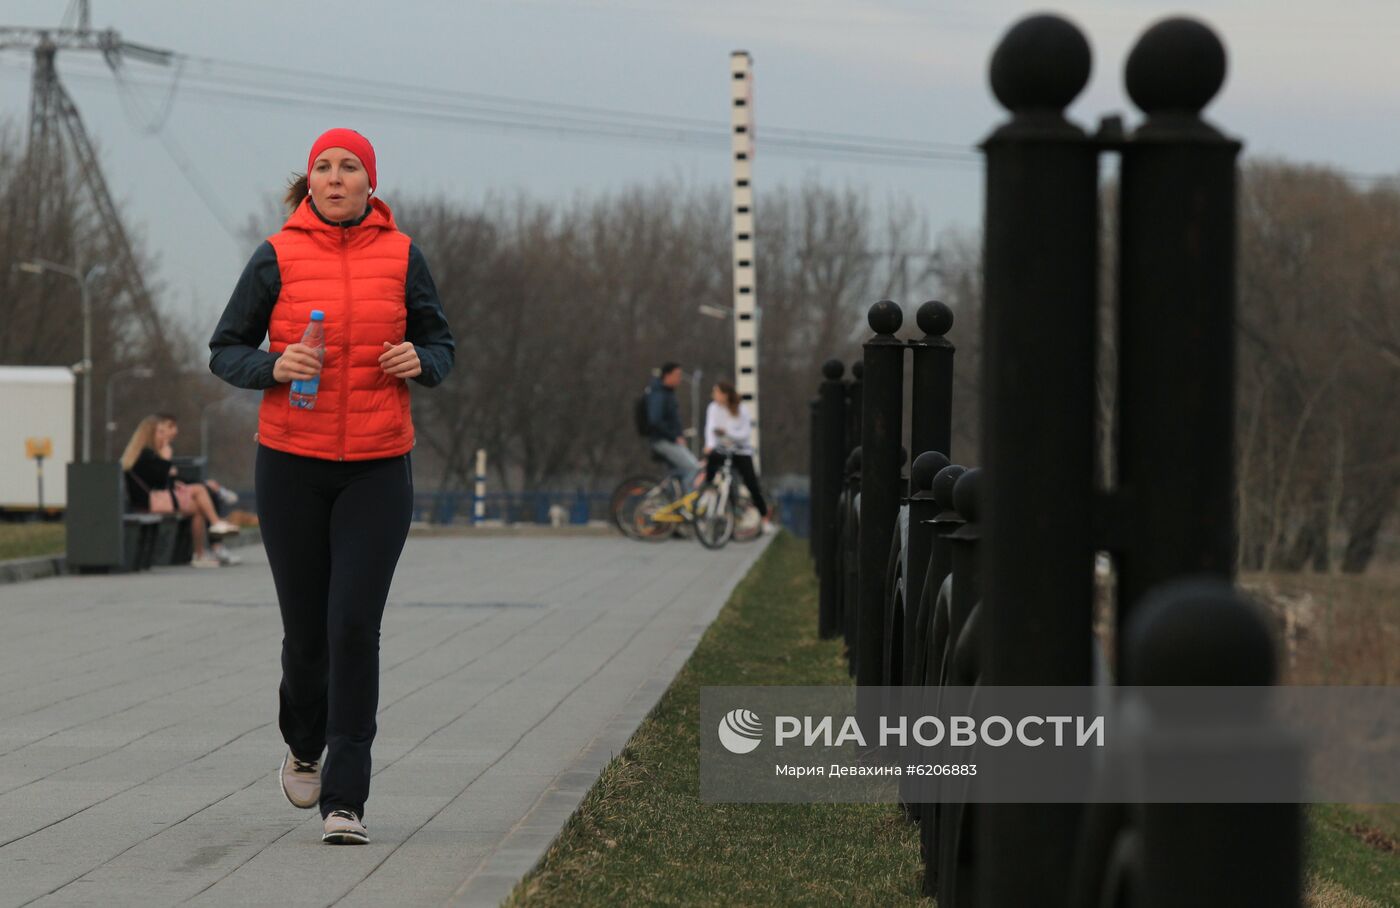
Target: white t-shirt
[737, 429]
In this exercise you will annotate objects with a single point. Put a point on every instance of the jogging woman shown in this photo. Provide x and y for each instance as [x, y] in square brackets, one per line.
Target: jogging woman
[334, 481]
[728, 425]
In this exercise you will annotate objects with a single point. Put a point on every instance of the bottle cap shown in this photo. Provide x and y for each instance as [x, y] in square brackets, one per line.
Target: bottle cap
[317, 315]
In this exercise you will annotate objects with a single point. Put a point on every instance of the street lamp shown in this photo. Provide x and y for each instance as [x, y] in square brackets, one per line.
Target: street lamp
[39, 266]
[697, 439]
[111, 425]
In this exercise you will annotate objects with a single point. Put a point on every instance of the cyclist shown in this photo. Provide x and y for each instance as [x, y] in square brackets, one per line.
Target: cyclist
[728, 425]
[665, 434]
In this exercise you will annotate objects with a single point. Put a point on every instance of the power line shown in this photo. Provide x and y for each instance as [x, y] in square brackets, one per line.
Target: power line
[175, 152]
[337, 83]
[260, 85]
[632, 128]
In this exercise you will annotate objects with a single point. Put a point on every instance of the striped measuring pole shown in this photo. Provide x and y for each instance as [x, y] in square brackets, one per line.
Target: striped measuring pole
[479, 492]
[745, 297]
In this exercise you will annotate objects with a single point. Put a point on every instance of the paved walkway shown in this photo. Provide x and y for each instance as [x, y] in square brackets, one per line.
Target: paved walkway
[139, 747]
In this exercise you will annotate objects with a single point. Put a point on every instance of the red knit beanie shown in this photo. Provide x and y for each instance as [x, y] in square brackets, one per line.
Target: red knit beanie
[352, 142]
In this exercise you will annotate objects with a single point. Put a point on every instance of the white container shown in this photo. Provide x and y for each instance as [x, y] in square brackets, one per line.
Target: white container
[35, 402]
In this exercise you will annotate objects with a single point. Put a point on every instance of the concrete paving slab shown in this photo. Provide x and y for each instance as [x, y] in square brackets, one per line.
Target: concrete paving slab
[139, 747]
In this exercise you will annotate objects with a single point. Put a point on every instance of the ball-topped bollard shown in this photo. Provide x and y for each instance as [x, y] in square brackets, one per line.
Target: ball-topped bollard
[926, 467]
[832, 370]
[1197, 632]
[935, 319]
[943, 485]
[966, 496]
[858, 370]
[1041, 64]
[1177, 66]
[885, 317]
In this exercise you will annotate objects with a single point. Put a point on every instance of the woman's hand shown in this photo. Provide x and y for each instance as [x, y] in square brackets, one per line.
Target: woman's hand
[297, 363]
[400, 361]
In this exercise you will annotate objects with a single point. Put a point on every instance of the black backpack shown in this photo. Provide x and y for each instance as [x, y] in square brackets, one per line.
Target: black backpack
[639, 414]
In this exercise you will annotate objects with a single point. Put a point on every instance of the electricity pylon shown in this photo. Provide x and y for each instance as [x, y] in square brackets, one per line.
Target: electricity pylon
[56, 136]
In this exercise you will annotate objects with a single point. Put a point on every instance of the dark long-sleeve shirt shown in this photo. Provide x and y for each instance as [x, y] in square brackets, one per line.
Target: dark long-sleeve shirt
[663, 412]
[234, 353]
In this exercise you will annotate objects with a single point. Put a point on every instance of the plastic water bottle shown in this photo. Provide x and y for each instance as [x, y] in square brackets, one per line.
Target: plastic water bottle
[303, 393]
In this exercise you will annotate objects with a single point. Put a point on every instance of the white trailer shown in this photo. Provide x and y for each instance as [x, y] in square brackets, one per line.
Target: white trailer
[36, 407]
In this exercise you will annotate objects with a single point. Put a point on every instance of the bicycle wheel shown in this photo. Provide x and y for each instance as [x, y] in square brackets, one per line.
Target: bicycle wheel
[624, 501]
[643, 526]
[714, 517]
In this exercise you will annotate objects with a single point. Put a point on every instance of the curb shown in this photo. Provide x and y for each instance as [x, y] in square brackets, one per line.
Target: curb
[22, 570]
[19, 570]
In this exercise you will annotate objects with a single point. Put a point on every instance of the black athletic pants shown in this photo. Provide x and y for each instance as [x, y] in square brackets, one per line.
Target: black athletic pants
[743, 465]
[333, 531]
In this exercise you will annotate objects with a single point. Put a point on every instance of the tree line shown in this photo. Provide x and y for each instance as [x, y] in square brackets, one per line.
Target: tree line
[562, 310]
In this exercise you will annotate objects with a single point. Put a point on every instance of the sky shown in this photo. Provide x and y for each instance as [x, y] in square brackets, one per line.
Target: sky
[192, 150]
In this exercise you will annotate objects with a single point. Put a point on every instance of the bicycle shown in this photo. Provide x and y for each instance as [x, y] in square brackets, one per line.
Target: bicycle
[651, 510]
[625, 497]
[632, 491]
[664, 511]
[724, 513]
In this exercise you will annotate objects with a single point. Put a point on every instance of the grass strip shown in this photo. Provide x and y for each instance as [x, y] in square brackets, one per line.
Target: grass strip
[1356, 850]
[642, 836]
[30, 540]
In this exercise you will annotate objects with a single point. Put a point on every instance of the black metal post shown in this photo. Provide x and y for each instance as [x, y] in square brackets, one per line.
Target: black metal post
[934, 611]
[1038, 398]
[954, 844]
[850, 547]
[814, 471]
[945, 521]
[931, 403]
[882, 412]
[855, 394]
[831, 458]
[1177, 307]
[1199, 632]
[919, 541]
[922, 511]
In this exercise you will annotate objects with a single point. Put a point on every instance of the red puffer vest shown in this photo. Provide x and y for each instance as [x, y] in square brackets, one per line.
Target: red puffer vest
[356, 276]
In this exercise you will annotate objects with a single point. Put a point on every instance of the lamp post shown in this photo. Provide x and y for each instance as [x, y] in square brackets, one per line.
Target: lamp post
[697, 439]
[111, 424]
[39, 266]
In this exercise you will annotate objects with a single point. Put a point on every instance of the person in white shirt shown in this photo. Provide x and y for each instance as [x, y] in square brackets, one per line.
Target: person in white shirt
[728, 426]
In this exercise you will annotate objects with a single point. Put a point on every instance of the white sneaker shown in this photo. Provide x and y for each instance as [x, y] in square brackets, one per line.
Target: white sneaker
[301, 781]
[223, 528]
[205, 561]
[228, 496]
[342, 827]
[225, 557]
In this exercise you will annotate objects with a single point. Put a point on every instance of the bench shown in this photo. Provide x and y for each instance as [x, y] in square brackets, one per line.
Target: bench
[159, 538]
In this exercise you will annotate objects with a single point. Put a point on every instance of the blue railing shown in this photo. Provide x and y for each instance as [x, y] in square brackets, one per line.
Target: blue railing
[581, 507]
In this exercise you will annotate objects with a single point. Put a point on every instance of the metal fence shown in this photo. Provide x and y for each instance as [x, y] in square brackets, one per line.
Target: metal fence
[963, 576]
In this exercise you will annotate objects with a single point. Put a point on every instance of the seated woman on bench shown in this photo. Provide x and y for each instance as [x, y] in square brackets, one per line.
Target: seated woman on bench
[148, 460]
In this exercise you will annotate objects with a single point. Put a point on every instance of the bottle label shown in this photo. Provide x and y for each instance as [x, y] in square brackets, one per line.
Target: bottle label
[306, 386]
